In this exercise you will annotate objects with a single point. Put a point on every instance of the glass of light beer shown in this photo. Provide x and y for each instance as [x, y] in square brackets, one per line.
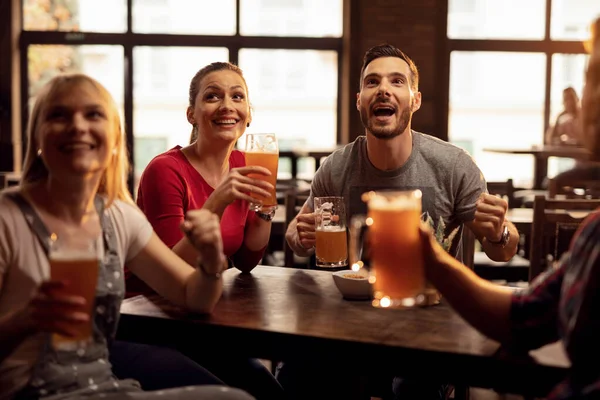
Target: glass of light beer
[393, 246]
[75, 260]
[262, 150]
[331, 248]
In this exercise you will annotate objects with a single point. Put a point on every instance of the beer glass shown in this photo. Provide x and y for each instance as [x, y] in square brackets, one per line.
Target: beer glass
[262, 150]
[393, 246]
[75, 259]
[331, 248]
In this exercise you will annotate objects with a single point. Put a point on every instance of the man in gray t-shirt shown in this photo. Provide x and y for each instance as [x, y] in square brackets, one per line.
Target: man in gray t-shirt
[393, 156]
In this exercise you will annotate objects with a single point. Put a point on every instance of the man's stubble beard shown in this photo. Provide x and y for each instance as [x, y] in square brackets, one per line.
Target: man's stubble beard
[387, 133]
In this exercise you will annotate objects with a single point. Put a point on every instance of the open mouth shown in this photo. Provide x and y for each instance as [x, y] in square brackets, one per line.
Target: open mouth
[225, 121]
[383, 111]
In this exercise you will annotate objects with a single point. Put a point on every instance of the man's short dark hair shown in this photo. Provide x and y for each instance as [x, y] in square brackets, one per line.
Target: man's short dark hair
[387, 50]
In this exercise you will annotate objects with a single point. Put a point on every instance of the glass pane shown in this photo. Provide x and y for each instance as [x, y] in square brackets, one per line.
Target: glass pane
[497, 101]
[568, 70]
[75, 15]
[571, 19]
[306, 18]
[160, 97]
[204, 17]
[103, 63]
[294, 95]
[493, 19]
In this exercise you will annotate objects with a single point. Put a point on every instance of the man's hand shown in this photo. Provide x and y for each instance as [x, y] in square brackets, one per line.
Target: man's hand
[306, 230]
[489, 216]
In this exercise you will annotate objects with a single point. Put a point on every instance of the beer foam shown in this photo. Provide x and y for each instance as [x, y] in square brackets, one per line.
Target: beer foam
[331, 228]
[73, 256]
[399, 203]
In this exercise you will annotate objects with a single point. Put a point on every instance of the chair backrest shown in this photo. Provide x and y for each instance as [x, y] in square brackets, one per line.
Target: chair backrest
[505, 190]
[294, 200]
[554, 224]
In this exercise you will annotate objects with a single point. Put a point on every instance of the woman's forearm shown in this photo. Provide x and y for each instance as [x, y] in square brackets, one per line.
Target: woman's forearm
[481, 303]
[203, 292]
[257, 234]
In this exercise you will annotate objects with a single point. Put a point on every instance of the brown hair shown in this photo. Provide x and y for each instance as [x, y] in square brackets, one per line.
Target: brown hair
[195, 84]
[591, 97]
[387, 50]
[113, 183]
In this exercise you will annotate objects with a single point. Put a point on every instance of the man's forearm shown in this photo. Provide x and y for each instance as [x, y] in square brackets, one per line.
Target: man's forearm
[291, 236]
[499, 253]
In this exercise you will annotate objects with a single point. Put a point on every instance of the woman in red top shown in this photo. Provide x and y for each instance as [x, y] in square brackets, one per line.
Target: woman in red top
[211, 175]
[208, 174]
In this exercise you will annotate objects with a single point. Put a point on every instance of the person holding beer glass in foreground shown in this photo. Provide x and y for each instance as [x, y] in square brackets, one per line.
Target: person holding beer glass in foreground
[54, 334]
[562, 303]
[392, 156]
[210, 175]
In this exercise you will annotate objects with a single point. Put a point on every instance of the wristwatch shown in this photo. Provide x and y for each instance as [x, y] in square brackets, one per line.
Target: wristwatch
[503, 239]
[266, 216]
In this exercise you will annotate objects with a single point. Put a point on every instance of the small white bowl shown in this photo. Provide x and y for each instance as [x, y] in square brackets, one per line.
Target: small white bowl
[353, 288]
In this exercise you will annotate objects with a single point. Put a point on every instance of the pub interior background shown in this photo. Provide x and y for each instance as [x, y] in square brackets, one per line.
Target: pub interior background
[490, 76]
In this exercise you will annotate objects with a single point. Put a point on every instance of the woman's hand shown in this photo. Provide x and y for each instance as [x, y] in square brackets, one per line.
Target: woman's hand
[203, 230]
[51, 310]
[434, 256]
[237, 185]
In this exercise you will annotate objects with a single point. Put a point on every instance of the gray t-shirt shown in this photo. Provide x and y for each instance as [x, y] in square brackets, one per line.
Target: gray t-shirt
[448, 177]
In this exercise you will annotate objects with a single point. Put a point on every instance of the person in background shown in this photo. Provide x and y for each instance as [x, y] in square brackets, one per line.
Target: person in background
[562, 303]
[566, 129]
[74, 185]
[209, 174]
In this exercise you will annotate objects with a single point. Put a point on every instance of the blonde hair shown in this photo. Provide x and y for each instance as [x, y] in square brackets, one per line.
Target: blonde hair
[113, 183]
[591, 99]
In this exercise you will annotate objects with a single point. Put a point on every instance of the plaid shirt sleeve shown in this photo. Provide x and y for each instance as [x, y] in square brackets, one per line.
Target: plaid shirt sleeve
[534, 311]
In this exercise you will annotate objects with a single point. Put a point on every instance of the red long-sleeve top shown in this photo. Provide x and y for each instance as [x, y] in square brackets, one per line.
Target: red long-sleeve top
[169, 187]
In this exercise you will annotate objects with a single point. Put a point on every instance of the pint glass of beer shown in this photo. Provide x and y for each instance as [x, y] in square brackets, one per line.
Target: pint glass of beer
[395, 259]
[75, 260]
[262, 150]
[331, 248]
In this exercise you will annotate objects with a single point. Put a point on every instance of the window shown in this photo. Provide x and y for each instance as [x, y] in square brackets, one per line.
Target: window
[491, 19]
[307, 18]
[507, 104]
[74, 15]
[500, 96]
[571, 18]
[289, 51]
[197, 17]
[293, 94]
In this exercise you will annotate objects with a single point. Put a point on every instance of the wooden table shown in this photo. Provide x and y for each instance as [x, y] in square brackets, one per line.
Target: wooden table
[522, 218]
[541, 155]
[283, 314]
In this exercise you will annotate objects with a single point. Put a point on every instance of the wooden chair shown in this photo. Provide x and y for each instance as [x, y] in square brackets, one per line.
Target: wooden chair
[294, 200]
[554, 224]
[574, 189]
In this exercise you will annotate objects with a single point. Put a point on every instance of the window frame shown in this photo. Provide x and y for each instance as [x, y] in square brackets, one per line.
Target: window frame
[546, 46]
[128, 40]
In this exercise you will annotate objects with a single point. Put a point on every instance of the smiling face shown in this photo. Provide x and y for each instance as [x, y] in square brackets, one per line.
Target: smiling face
[386, 101]
[75, 132]
[221, 108]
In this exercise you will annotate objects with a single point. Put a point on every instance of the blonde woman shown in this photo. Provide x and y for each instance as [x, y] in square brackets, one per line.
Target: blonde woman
[563, 303]
[74, 185]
